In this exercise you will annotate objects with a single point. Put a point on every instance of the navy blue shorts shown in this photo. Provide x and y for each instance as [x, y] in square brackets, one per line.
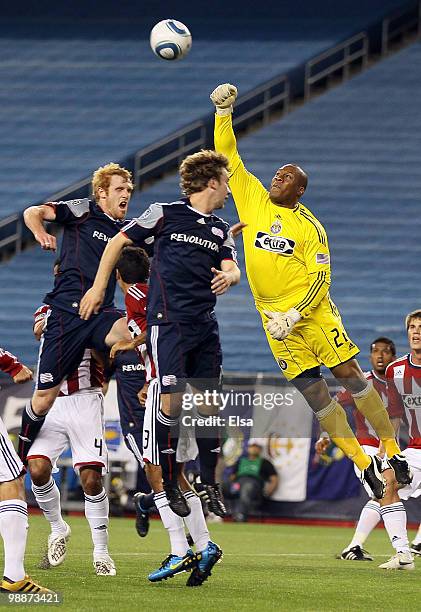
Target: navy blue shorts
[65, 339]
[130, 378]
[186, 352]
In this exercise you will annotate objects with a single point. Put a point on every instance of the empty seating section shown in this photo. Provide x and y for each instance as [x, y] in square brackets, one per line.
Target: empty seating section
[68, 105]
[76, 96]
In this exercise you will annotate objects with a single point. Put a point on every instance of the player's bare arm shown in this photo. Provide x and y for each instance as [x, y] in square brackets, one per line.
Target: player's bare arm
[24, 375]
[93, 298]
[125, 345]
[224, 278]
[34, 218]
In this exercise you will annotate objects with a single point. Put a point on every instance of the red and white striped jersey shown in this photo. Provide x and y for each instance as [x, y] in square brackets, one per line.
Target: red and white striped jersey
[404, 392]
[364, 432]
[135, 300]
[9, 363]
[88, 376]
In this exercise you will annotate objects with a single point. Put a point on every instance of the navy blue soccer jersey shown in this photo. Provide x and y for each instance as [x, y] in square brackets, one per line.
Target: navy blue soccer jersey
[87, 230]
[187, 244]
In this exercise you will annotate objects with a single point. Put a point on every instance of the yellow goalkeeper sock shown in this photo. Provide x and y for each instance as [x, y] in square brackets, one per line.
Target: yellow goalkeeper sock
[333, 420]
[370, 405]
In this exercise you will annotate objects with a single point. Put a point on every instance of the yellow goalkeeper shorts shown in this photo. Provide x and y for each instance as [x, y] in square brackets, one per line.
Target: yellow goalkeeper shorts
[319, 339]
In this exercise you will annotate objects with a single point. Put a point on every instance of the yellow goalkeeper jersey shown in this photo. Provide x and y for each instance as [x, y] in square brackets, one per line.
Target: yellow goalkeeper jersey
[286, 250]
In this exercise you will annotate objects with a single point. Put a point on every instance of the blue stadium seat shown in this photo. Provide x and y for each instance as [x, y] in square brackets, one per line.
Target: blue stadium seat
[75, 96]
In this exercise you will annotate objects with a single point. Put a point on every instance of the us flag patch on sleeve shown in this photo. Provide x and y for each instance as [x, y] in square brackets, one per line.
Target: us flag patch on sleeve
[322, 258]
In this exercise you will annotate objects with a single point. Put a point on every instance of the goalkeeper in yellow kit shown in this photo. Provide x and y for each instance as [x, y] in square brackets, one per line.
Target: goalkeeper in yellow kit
[288, 268]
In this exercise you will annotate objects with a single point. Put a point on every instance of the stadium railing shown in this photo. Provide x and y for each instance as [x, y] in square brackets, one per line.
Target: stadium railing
[270, 100]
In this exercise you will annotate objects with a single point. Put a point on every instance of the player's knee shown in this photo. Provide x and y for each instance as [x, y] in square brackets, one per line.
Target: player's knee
[40, 471]
[43, 400]
[119, 331]
[172, 404]
[350, 376]
[91, 480]
[317, 395]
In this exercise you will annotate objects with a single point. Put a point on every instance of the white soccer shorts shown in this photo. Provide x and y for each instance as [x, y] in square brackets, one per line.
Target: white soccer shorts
[11, 467]
[77, 421]
[370, 451]
[413, 457]
[187, 447]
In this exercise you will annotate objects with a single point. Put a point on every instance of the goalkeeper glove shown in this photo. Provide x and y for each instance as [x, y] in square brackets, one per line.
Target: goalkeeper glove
[280, 324]
[224, 97]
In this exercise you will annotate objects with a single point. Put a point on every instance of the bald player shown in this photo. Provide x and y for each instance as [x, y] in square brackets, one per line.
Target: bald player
[288, 268]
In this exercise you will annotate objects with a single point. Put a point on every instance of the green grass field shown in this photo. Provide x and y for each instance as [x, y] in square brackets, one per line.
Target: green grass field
[265, 567]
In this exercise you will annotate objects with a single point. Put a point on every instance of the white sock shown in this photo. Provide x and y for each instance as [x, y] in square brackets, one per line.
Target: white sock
[195, 521]
[417, 539]
[48, 499]
[97, 510]
[369, 518]
[394, 518]
[173, 524]
[13, 530]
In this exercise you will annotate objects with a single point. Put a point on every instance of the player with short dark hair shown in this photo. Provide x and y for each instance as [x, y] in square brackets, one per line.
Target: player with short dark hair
[88, 226]
[382, 353]
[13, 508]
[288, 268]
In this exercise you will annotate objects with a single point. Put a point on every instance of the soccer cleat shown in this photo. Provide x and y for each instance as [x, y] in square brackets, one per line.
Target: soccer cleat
[142, 516]
[211, 495]
[215, 503]
[104, 566]
[400, 561]
[176, 500]
[356, 553]
[205, 560]
[57, 547]
[415, 548]
[27, 585]
[372, 475]
[400, 466]
[173, 565]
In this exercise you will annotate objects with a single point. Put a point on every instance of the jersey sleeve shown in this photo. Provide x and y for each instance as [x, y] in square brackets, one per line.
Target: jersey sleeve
[69, 211]
[246, 189]
[135, 301]
[395, 405]
[141, 229]
[317, 262]
[228, 250]
[9, 363]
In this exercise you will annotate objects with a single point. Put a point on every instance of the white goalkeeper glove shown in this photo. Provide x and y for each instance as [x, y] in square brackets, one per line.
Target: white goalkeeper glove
[224, 97]
[280, 324]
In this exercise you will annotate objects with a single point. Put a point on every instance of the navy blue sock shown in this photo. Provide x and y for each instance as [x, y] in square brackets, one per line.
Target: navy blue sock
[30, 427]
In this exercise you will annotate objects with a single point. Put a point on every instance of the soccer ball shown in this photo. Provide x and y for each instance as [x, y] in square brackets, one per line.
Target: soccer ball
[170, 39]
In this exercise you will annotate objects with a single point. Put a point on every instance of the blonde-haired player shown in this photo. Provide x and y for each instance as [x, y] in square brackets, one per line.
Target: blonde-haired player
[288, 268]
[88, 227]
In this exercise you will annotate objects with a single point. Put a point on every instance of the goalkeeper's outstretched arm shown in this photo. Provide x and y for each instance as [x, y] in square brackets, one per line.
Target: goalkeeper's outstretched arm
[244, 186]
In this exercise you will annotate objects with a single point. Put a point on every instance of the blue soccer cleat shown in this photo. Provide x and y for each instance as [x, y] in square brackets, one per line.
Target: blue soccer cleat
[173, 565]
[205, 560]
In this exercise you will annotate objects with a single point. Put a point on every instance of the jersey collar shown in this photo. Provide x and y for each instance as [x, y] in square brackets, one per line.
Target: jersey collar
[377, 377]
[412, 364]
